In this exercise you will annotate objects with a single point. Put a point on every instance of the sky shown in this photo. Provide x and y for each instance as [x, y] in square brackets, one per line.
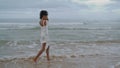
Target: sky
[61, 9]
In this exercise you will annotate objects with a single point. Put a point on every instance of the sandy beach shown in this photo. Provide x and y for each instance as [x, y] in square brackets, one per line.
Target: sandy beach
[62, 62]
[81, 55]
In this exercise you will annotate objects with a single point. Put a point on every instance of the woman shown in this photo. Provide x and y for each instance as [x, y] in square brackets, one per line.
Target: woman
[44, 34]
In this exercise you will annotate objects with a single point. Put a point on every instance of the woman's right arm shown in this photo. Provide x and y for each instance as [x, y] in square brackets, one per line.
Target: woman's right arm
[41, 24]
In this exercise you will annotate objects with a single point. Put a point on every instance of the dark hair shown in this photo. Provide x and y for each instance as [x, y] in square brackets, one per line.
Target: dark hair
[42, 13]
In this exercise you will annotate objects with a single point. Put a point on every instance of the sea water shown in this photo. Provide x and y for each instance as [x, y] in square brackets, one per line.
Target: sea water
[19, 39]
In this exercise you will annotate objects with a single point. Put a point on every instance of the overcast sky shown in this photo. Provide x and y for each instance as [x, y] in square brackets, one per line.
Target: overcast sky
[64, 9]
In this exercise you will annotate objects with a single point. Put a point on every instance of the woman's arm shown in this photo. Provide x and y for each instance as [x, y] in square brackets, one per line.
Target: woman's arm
[42, 23]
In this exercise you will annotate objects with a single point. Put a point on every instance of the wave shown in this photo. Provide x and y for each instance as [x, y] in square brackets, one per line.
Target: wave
[81, 29]
[63, 28]
[18, 42]
[37, 42]
[26, 48]
[17, 25]
[57, 26]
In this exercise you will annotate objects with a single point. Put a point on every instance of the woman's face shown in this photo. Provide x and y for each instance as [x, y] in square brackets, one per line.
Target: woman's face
[45, 17]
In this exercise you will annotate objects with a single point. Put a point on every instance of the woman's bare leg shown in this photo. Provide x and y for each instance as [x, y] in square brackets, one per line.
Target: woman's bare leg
[40, 52]
[47, 53]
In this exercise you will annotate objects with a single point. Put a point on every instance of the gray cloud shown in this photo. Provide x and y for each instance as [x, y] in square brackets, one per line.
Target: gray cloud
[12, 4]
[22, 4]
[57, 9]
[115, 5]
[8, 4]
[115, 0]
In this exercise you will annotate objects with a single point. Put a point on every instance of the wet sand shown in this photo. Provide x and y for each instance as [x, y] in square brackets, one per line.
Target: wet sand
[90, 61]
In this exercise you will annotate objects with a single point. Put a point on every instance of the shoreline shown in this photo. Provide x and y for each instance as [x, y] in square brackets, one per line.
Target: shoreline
[91, 61]
[67, 55]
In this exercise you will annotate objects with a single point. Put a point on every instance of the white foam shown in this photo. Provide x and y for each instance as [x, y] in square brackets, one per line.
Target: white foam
[17, 25]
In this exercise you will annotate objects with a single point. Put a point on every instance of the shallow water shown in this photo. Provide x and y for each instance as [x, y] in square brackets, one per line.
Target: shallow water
[22, 39]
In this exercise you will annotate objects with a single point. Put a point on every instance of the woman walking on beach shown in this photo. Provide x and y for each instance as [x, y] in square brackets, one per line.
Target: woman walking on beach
[44, 34]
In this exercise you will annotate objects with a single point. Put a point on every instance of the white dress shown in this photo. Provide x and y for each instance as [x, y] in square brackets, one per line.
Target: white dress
[44, 33]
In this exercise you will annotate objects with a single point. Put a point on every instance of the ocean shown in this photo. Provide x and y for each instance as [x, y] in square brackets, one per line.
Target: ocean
[22, 38]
